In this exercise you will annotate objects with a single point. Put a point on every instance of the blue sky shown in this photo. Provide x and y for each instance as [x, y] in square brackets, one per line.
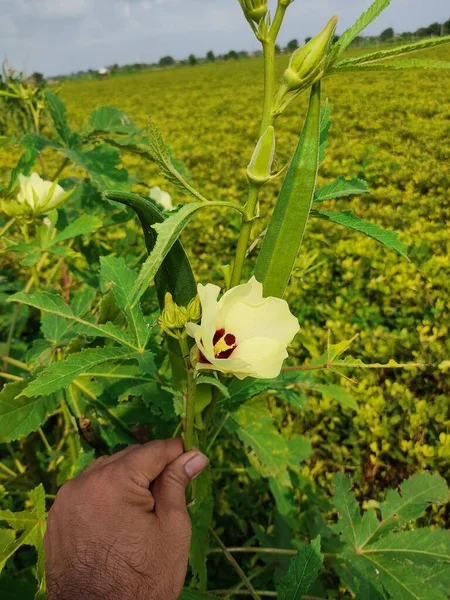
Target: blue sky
[61, 36]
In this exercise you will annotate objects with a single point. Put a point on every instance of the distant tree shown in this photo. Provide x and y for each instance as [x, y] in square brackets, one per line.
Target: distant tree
[336, 38]
[210, 56]
[387, 34]
[232, 55]
[242, 54]
[307, 39]
[446, 28]
[277, 49]
[434, 29]
[166, 61]
[37, 78]
[292, 45]
[192, 60]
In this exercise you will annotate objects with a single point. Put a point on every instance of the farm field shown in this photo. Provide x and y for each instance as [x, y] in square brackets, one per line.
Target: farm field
[391, 129]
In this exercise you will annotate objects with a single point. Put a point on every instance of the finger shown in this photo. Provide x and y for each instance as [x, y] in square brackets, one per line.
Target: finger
[148, 461]
[106, 460]
[169, 489]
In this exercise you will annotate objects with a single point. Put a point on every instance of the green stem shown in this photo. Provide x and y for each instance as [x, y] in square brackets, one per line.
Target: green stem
[7, 470]
[60, 169]
[45, 440]
[218, 430]
[69, 432]
[6, 227]
[251, 590]
[249, 215]
[191, 387]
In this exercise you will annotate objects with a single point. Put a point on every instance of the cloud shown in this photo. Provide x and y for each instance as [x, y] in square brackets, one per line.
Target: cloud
[62, 36]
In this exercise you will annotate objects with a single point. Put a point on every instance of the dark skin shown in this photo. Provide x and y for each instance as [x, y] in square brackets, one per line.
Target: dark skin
[121, 530]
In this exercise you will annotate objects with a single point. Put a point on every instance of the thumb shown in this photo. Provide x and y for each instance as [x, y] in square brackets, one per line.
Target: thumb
[169, 488]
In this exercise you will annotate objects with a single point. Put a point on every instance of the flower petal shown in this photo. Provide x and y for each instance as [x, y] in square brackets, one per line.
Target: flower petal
[264, 358]
[269, 319]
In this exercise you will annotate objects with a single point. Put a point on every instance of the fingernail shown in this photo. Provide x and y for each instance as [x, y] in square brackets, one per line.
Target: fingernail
[196, 465]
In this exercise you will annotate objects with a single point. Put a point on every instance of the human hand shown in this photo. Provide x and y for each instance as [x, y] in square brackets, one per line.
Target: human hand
[121, 529]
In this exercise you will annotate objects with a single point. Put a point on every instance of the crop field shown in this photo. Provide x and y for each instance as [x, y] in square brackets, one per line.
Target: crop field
[390, 129]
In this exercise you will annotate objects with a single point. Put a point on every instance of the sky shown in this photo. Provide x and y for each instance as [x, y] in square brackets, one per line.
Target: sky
[63, 36]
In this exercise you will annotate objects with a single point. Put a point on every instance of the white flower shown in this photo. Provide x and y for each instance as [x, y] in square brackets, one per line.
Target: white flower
[36, 197]
[243, 333]
[161, 197]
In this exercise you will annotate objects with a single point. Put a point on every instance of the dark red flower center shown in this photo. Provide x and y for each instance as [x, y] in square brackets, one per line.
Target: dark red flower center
[224, 344]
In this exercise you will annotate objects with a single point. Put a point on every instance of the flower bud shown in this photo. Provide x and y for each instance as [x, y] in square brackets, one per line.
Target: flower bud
[260, 166]
[173, 316]
[194, 309]
[307, 64]
[254, 10]
[36, 196]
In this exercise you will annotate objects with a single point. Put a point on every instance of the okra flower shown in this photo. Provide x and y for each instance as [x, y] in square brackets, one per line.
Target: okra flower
[36, 196]
[243, 333]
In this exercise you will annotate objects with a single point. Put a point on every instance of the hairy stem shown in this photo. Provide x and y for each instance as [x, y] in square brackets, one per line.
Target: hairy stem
[191, 388]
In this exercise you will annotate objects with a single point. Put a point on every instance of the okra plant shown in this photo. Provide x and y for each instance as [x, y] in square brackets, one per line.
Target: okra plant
[124, 354]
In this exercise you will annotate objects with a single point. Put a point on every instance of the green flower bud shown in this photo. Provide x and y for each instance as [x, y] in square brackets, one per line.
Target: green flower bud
[254, 10]
[260, 166]
[173, 316]
[194, 309]
[307, 63]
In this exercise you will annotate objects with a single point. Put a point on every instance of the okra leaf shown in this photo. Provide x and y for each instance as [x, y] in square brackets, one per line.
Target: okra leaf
[396, 51]
[420, 63]
[57, 110]
[389, 239]
[54, 304]
[340, 188]
[30, 528]
[303, 570]
[107, 119]
[325, 126]
[84, 225]
[24, 166]
[364, 20]
[60, 374]
[21, 415]
[288, 223]
[168, 232]
[175, 273]
[114, 271]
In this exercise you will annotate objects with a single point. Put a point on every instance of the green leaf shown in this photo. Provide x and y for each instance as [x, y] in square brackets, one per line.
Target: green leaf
[31, 525]
[101, 164]
[54, 304]
[19, 414]
[303, 571]
[325, 125]
[215, 383]
[389, 239]
[272, 453]
[111, 120]
[160, 154]
[349, 524]
[339, 188]
[336, 392]
[60, 374]
[421, 63]
[57, 111]
[288, 223]
[364, 20]
[413, 496]
[201, 513]
[175, 274]
[114, 271]
[167, 234]
[24, 166]
[84, 225]
[396, 51]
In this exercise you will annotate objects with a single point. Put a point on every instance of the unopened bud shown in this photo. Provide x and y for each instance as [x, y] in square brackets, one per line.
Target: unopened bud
[194, 309]
[172, 316]
[260, 166]
[307, 63]
[255, 10]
